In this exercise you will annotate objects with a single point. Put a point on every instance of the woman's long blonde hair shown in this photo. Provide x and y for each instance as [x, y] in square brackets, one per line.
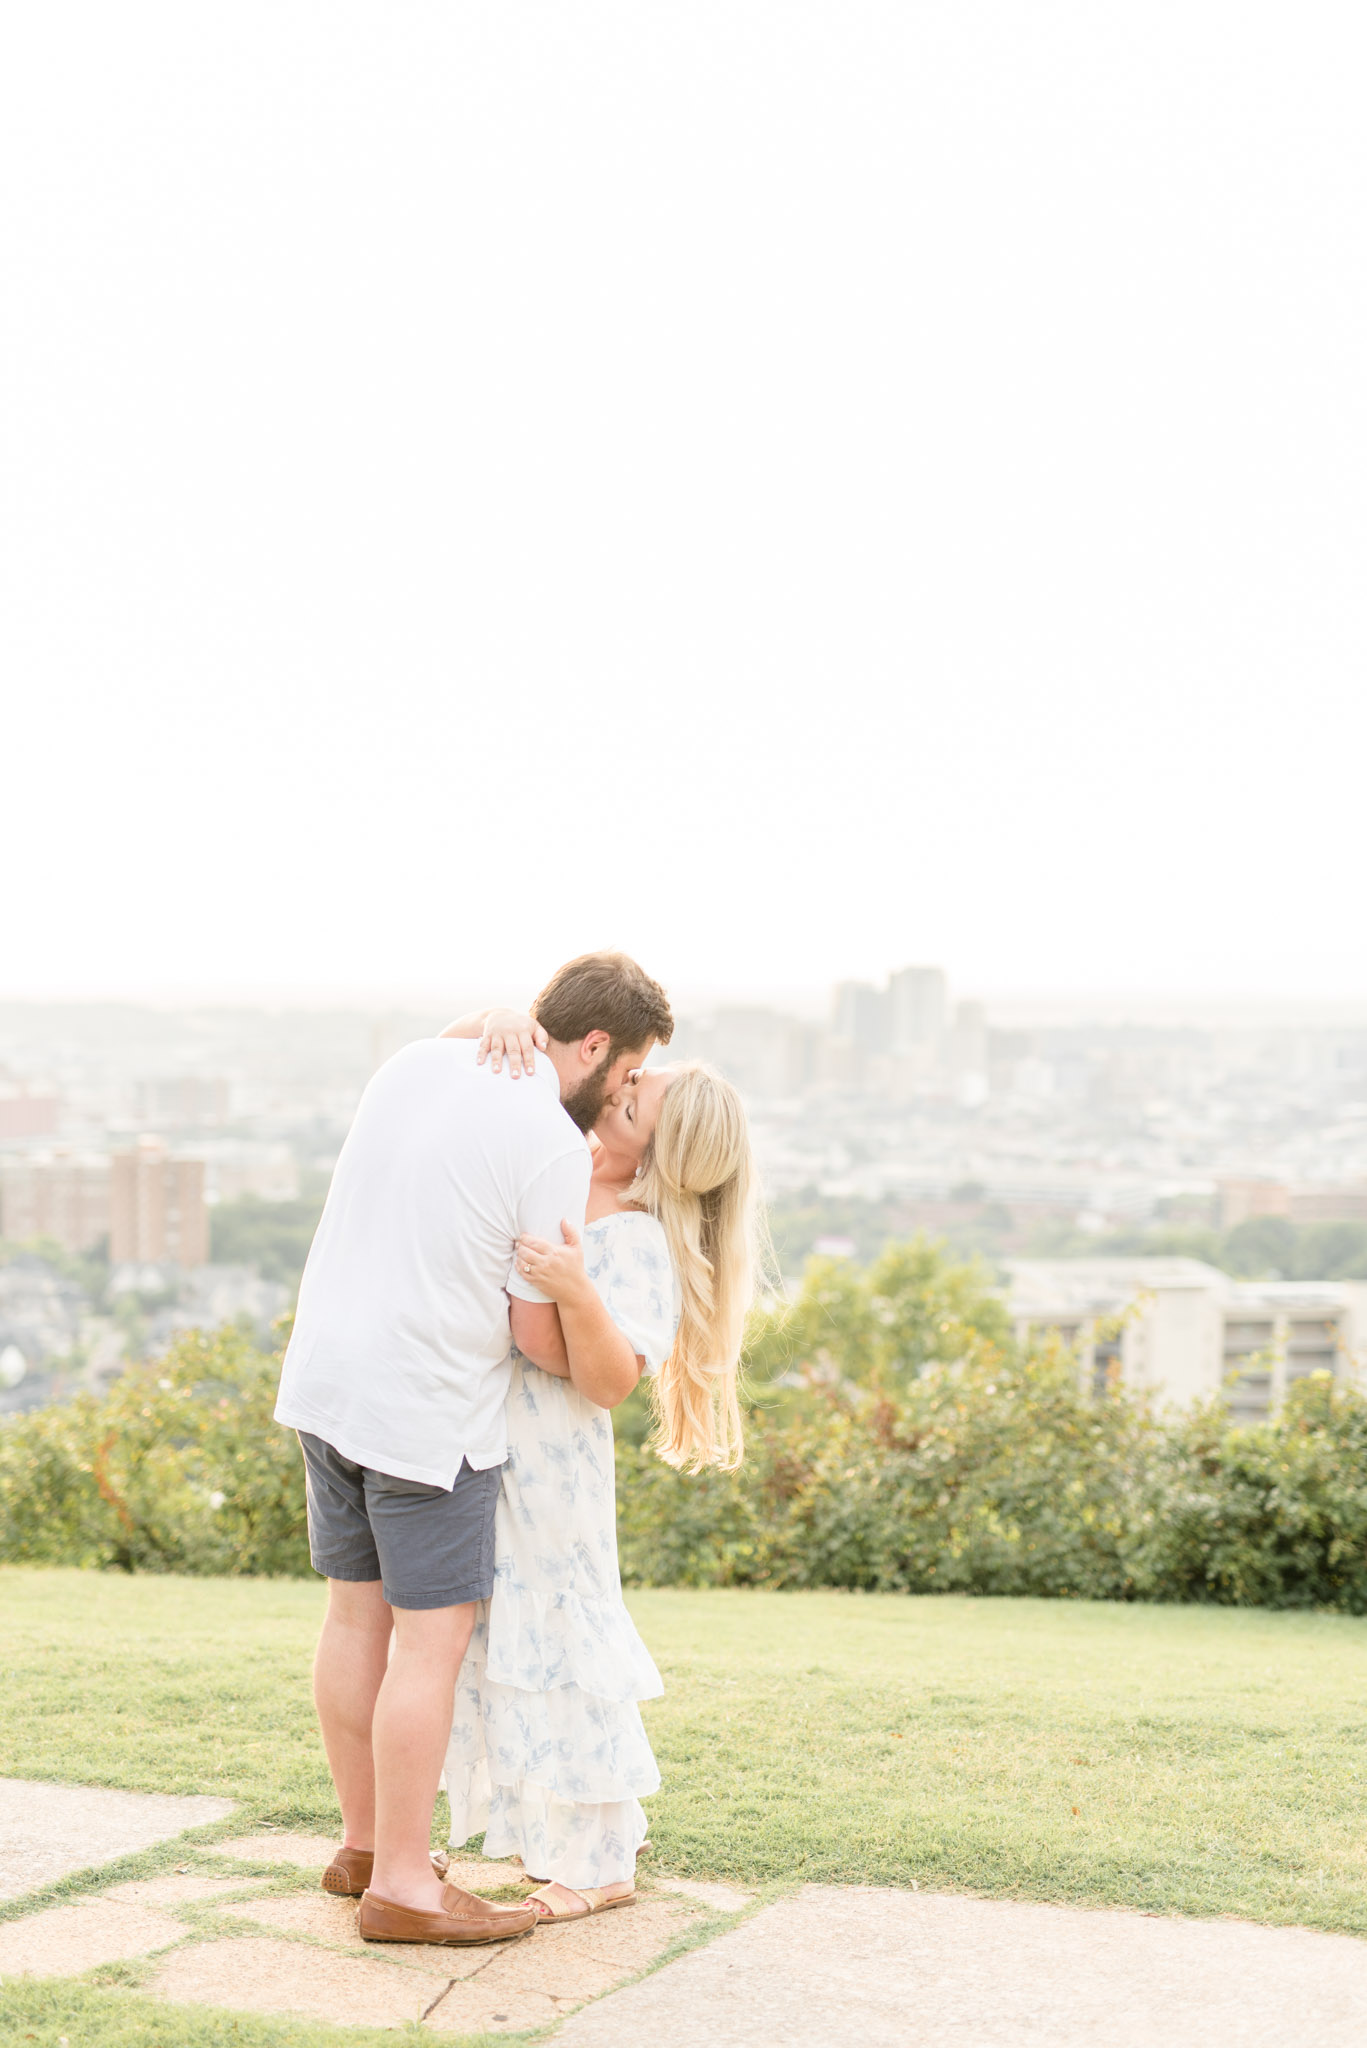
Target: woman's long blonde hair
[698, 1179]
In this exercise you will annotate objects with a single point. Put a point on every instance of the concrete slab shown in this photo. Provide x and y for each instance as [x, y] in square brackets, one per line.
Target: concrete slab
[293, 1976]
[552, 1964]
[333, 1921]
[175, 1889]
[632, 1936]
[531, 1983]
[66, 1940]
[316, 1914]
[465, 2011]
[305, 1852]
[48, 1831]
[722, 1898]
[891, 1969]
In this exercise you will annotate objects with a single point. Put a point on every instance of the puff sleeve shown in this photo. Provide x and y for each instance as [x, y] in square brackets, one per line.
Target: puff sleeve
[636, 1281]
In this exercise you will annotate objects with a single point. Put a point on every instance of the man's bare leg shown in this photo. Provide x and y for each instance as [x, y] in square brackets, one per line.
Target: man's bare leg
[409, 1734]
[348, 1672]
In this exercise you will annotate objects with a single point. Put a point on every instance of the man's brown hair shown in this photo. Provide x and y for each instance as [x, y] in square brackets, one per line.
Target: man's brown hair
[604, 992]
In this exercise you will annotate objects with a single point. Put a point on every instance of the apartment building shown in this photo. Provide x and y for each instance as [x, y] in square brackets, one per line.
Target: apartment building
[59, 1195]
[157, 1210]
[174, 1101]
[1242, 1200]
[918, 1006]
[27, 1112]
[1181, 1330]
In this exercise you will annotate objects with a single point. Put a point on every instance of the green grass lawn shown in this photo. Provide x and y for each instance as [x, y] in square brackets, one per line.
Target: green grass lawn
[1191, 1760]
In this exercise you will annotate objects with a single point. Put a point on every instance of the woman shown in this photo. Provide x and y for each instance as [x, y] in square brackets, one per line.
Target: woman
[548, 1753]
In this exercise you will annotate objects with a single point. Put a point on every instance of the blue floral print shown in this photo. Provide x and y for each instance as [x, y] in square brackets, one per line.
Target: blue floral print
[548, 1753]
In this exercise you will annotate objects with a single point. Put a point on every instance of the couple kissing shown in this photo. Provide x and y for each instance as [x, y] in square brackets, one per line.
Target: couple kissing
[525, 1219]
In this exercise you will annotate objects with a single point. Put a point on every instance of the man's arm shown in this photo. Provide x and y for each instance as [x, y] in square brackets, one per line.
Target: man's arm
[561, 1189]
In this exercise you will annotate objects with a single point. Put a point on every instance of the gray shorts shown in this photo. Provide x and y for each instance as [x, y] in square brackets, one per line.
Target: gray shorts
[430, 1546]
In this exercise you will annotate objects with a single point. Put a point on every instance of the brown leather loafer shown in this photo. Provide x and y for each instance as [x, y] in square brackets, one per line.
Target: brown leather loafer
[348, 1874]
[462, 1921]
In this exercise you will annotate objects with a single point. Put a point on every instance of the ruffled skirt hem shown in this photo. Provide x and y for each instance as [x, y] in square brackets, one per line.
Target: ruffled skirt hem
[573, 1842]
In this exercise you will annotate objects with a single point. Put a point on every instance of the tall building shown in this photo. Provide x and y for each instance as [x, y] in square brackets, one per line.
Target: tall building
[56, 1195]
[918, 1001]
[860, 1016]
[1330, 1205]
[763, 1052]
[1242, 1200]
[157, 1211]
[181, 1099]
[968, 1039]
[234, 1167]
[26, 1113]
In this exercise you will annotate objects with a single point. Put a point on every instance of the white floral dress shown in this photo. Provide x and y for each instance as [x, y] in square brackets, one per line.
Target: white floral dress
[548, 1754]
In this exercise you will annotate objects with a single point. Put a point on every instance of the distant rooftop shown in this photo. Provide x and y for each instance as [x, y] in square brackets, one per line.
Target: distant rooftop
[1086, 1280]
[1049, 1286]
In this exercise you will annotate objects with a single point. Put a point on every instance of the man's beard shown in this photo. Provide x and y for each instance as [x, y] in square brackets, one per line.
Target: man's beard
[585, 1104]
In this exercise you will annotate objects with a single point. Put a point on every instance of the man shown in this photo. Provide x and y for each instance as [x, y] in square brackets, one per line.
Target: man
[395, 1378]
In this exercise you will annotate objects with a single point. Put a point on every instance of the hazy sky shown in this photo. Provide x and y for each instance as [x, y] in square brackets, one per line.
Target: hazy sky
[790, 489]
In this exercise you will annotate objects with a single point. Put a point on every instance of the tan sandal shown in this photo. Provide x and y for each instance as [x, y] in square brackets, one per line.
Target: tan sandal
[595, 1901]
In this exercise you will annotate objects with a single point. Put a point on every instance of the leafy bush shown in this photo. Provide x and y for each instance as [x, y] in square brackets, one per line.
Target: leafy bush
[881, 1325]
[274, 1237]
[917, 1450]
[1270, 1516]
[992, 1476]
[1017, 1485]
[900, 1441]
[178, 1468]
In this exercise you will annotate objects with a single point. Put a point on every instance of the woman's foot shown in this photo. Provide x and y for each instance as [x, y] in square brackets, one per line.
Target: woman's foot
[557, 1902]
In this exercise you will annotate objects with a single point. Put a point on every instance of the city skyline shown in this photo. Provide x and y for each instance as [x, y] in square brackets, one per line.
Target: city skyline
[1056, 1004]
[179, 1155]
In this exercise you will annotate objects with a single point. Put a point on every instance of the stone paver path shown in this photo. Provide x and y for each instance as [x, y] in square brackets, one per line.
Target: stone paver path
[289, 1977]
[47, 1831]
[66, 1940]
[233, 1927]
[892, 1969]
[242, 1926]
[310, 1960]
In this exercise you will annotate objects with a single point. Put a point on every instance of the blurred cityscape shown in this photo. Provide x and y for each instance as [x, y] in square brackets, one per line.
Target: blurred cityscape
[161, 1168]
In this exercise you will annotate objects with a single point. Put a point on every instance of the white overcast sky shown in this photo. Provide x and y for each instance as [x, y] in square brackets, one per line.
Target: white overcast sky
[789, 489]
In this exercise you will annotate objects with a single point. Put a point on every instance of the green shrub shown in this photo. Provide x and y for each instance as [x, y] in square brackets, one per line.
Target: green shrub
[178, 1468]
[992, 1476]
[883, 1324]
[900, 1442]
[1270, 1516]
[274, 1237]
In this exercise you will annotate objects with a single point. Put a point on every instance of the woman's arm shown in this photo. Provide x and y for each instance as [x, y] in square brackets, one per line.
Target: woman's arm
[502, 1031]
[602, 1365]
[468, 1027]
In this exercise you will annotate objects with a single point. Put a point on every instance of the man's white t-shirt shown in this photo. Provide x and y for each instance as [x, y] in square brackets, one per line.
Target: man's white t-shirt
[400, 1357]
